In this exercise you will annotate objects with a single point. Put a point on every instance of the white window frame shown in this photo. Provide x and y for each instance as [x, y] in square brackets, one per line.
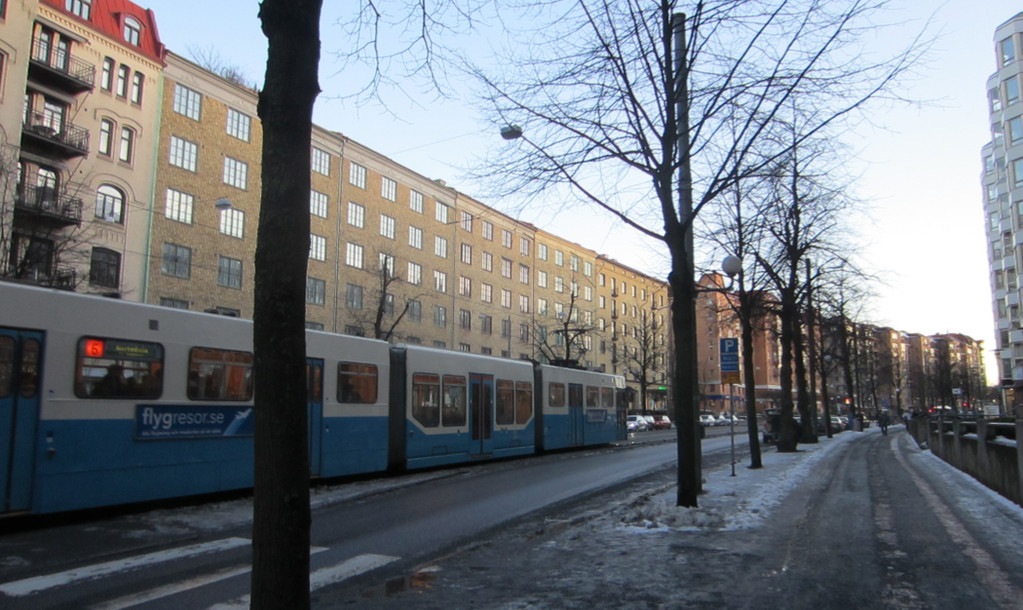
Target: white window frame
[388, 188]
[183, 154]
[232, 222]
[356, 175]
[356, 215]
[318, 203]
[236, 173]
[178, 206]
[317, 247]
[415, 237]
[187, 102]
[415, 274]
[415, 201]
[440, 246]
[387, 226]
[239, 125]
[354, 255]
[320, 161]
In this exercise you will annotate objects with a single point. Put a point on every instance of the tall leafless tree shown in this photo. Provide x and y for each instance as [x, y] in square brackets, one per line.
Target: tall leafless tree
[626, 104]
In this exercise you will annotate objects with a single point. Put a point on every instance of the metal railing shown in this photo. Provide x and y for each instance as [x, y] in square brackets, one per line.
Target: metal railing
[49, 202]
[65, 134]
[46, 54]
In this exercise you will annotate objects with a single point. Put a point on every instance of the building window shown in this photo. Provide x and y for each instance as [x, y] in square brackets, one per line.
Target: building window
[506, 238]
[588, 269]
[415, 237]
[386, 262]
[1008, 51]
[466, 254]
[466, 221]
[229, 272]
[487, 261]
[441, 213]
[387, 225]
[559, 258]
[541, 307]
[523, 303]
[178, 206]
[187, 102]
[506, 299]
[1015, 130]
[464, 286]
[109, 203]
[440, 316]
[236, 173]
[541, 251]
[106, 136]
[573, 263]
[541, 278]
[464, 347]
[315, 291]
[353, 255]
[440, 281]
[440, 246]
[106, 74]
[82, 8]
[486, 293]
[486, 324]
[357, 175]
[1011, 91]
[1017, 171]
[132, 31]
[137, 81]
[238, 125]
[317, 247]
[488, 231]
[177, 260]
[559, 284]
[415, 311]
[588, 293]
[105, 268]
[122, 81]
[465, 319]
[388, 189]
[321, 161]
[353, 296]
[523, 274]
[232, 222]
[415, 274]
[506, 267]
[173, 303]
[415, 201]
[127, 144]
[356, 215]
[184, 154]
[318, 204]
[524, 246]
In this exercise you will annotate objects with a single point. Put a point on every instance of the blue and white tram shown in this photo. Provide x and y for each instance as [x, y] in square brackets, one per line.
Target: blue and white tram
[106, 402]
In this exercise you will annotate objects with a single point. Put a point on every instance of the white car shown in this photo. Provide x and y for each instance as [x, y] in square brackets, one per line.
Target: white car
[636, 423]
[708, 420]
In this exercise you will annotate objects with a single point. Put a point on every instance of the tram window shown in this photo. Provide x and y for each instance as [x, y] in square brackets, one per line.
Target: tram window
[505, 402]
[454, 401]
[28, 379]
[357, 383]
[219, 374]
[426, 399]
[6, 366]
[608, 395]
[556, 394]
[592, 396]
[115, 368]
[523, 402]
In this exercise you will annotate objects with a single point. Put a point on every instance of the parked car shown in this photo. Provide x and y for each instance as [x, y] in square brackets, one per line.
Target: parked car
[661, 422]
[708, 420]
[636, 423]
[651, 423]
[837, 425]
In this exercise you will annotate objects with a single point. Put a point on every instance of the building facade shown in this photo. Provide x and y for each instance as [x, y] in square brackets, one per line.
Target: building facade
[1002, 179]
[79, 85]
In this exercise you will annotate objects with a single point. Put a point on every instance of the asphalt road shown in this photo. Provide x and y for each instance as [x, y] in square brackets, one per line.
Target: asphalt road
[198, 556]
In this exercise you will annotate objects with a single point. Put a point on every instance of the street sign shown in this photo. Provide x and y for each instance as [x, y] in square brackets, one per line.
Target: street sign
[729, 360]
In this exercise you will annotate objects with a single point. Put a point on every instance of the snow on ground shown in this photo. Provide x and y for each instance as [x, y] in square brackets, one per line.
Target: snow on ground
[732, 503]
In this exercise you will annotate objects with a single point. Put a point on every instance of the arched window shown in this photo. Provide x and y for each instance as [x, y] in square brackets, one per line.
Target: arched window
[132, 30]
[110, 203]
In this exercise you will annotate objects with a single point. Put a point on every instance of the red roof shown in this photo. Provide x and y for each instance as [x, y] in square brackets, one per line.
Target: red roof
[108, 17]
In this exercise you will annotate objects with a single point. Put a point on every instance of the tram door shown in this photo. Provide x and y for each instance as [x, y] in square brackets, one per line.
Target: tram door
[314, 397]
[575, 414]
[20, 369]
[481, 412]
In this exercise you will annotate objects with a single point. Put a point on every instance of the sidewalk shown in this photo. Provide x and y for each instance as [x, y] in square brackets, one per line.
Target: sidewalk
[634, 549]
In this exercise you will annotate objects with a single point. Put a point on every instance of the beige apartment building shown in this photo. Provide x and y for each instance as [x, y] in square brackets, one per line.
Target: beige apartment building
[80, 96]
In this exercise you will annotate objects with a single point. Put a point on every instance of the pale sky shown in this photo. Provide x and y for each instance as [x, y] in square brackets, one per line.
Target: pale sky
[920, 168]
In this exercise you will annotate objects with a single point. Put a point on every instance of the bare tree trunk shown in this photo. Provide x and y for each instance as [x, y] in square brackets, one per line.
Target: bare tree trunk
[749, 375]
[281, 517]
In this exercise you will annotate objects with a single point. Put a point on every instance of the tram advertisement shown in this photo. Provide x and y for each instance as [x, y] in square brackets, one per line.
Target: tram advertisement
[169, 421]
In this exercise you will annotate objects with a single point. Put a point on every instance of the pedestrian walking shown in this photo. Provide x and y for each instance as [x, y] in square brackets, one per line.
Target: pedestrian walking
[883, 422]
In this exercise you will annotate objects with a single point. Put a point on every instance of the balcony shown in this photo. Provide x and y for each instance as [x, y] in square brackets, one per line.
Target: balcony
[48, 205]
[56, 68]
[48, 136]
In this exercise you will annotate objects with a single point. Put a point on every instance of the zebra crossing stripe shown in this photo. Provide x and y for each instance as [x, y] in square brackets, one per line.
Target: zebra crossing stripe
[28, 586]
